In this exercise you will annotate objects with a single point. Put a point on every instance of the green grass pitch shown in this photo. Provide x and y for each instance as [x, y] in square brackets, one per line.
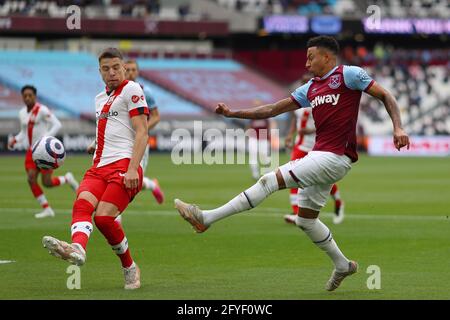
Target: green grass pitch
[397, 218]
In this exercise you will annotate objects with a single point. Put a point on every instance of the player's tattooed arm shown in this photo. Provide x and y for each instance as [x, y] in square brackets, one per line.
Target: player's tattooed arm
[401, 139]
[261, 112]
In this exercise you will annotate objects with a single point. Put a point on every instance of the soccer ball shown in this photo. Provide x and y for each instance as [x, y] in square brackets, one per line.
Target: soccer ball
[48, 153]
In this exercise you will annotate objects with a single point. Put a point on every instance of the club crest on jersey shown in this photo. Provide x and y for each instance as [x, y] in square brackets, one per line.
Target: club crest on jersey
[110, 100]
[335, 81]
[135, 99]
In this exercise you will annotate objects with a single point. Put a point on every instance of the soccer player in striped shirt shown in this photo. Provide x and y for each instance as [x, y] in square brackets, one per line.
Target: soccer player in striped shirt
[37, 121]
[115, 177]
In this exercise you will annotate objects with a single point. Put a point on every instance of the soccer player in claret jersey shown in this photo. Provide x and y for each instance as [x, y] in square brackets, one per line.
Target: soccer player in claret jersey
[302, 123]
[150, 184]
[36, 121]
[115, 177]
[334, 95]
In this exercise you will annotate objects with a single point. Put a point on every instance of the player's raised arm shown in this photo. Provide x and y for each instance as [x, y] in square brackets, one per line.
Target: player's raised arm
[401, 139]
[260, 112]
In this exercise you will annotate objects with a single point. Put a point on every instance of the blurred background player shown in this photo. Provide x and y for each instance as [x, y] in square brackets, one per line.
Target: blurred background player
[132, 74]
[115, 177]
[258, 145]
[37, 121]
[303, 129]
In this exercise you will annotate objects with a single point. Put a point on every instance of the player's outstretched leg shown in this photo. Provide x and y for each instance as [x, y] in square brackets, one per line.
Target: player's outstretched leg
[250, 198]
[115, 236]
[153, 185]
[322, 237]
[73, 253]
[81, 230]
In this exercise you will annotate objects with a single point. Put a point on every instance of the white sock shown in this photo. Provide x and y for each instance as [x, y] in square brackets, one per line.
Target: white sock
[148, 184]
[62, 180]
[322, 237]
[246, 200]
[42, 201]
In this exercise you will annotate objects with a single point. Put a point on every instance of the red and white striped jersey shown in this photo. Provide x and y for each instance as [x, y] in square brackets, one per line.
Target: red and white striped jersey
[304, 142]
[115, 134]
[39, 122]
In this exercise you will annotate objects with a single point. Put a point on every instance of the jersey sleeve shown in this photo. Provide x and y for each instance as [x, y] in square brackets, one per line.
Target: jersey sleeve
[151, 102]
[356, 78]
[51, 119]
[300, 95]
[135, 98]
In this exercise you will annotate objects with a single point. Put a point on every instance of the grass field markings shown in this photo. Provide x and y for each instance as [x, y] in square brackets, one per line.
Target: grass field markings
[6, 261]
[263, 212]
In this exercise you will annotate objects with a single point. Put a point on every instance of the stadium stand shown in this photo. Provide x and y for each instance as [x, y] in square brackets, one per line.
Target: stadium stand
[60, 77]
[205, 82]
[419, 79]
[342, 8]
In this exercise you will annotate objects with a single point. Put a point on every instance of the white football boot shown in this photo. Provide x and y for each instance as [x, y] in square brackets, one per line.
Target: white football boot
[48, 212]
[72, 181]
[132, 277]
[73, 253]
[337, 277]
[192, 214]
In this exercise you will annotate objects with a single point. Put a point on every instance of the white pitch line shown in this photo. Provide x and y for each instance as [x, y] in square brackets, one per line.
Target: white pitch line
[264, 212]
[6, 261]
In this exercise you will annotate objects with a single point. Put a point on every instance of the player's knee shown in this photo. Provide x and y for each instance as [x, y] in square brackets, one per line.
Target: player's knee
[269, 183]
[89, 197]
[104, 213]
[47, 182]
[304, 223]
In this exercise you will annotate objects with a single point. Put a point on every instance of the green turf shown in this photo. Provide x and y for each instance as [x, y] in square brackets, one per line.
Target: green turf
[397, 218]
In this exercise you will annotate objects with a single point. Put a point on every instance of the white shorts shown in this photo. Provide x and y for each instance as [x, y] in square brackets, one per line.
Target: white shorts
[315, 174]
